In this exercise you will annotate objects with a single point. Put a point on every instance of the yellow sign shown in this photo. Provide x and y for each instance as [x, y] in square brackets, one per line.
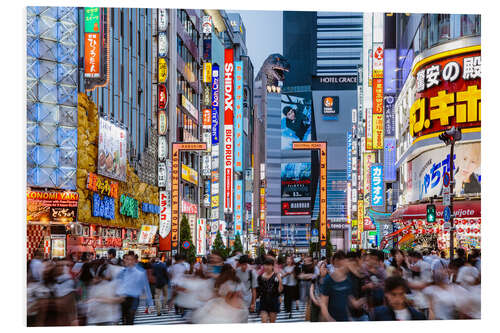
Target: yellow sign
[207, 72]
[189, 174]
[378, 131]
[162, 70]
[361, 215]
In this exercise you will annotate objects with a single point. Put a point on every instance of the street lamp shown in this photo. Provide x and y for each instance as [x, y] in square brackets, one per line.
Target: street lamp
[449, 137]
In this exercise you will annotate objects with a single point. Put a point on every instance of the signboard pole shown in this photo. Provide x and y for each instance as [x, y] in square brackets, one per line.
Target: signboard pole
[452, 150]
[177, 148]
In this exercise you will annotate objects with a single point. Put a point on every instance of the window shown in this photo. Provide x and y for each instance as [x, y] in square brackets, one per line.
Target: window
[470, 25]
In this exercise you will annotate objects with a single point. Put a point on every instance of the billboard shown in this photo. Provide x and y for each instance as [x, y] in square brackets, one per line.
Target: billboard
[368, 160]
[238, 116]
[448, 92]
[330, 107]
[295, 120]
[296, 180]
[389, 116]
[228, 129]
[112, 151]
[295, 207]
[45, 206]
[369, 129]
[427, 170]
[378, 113]
[238, 207]
[215, 104]
[377, 185]
[389, 159]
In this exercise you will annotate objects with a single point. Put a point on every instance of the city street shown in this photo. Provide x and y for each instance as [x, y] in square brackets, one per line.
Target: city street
[241, 157]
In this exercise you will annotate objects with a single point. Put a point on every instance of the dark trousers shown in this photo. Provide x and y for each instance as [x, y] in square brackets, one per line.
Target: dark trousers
[129, 307]
[290, 296]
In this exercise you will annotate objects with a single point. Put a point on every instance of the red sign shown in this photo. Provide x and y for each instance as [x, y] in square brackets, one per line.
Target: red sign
[378, 96]
[207, 118]
[162, 96]
[448, 92]
[52, 206]
[189, 208]
[92, 55]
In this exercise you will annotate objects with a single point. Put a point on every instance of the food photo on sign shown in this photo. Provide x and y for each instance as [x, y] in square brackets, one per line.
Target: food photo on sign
[112, 151]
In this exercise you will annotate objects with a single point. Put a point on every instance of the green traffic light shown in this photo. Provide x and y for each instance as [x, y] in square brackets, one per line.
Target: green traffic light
[431, 213]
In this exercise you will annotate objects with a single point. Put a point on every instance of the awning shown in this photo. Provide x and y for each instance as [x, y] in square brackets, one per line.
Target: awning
[461, 209]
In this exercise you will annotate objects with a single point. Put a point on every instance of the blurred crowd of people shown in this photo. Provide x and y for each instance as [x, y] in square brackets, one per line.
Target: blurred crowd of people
[353, 286]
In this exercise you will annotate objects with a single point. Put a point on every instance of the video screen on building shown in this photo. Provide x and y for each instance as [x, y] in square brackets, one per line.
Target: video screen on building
[295, 120]
[296, 180]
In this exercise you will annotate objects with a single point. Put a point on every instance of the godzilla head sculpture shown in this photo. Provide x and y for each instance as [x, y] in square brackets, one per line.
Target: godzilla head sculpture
[273, 70]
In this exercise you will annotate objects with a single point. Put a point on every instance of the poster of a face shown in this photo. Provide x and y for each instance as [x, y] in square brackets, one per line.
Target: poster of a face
[428, 169]
[112, 157]
[296, 180]
[295, 120]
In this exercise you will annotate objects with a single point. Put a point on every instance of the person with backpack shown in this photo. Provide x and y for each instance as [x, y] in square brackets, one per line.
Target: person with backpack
[161, 285]
[269, 289]
[248, 277]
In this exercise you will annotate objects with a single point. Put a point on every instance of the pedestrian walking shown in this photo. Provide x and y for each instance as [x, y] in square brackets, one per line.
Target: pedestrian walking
[290, 285]
[160, 274]
[269, 289]
[248, 277]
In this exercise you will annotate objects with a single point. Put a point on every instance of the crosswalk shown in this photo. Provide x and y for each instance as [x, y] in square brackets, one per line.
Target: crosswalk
[171, 318]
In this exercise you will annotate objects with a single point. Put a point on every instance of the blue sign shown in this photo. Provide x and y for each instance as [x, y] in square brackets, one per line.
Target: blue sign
[104, 207]
[447, 214]
[377, 185]
[389, 159]
[238, 116]
[238, 207]
[150, 208]
[215, 104]
[349, 152]
[314, 232]
[186, 245]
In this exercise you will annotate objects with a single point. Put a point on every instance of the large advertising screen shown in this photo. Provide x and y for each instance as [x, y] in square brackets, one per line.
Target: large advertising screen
[427, 171]
[295, 120]
[296, 180]
[112, 161]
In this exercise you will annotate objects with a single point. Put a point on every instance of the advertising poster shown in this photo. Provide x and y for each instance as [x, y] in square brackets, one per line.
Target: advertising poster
[228, 129]
[295, 207]
[296, 180]
[295, 120]
[426, 173]
[377, 185]
[238, 207]
[147, 234]
[201, 237]
[112, 151]
[52, 206]
[330, 107]
[389, 159]
[238, 116]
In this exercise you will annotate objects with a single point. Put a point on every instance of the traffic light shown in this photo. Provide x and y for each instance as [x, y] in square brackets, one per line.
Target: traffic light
[431, 213]
[451, 135]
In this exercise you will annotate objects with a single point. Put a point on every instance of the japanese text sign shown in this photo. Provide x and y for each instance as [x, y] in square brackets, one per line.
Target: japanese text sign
[377, 185]
[92, 68]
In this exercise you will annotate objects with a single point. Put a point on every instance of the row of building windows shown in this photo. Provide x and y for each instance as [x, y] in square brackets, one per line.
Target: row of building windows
[188, 26]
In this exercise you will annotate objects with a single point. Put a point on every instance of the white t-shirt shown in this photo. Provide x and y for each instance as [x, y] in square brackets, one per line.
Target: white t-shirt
[402, 314]
[217, 311]
[103, 312]
[244, 277]
[446, 300]
[198, 292]
[177, 272]
[467, 275]
[289, 280]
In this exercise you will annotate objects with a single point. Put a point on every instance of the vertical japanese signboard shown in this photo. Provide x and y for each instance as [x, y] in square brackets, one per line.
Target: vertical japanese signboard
[369, 129]
[228, 129]
[349, 159]
[262, 217]
[201, 237]
[361, 217]
[238, 117]
[368, 160]
[215, 143]
[322, 147]
[389, 159]
[378, 96]
[176, 149]
[377, 185]
[165, 214]
[238, 207]
[92, 20]
[92, 64]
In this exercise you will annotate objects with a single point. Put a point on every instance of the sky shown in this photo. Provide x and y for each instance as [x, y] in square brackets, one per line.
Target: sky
[264, 34]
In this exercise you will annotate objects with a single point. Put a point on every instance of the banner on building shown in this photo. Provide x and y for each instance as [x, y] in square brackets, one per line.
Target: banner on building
[201, 237]
[368, 160]
[92, 68]
[369, 130]
[44, 206]
[165, 214]
[215, 104]
[349, 157]
[238, 207]
[147, 234]
[389, 159]
[389, 116]
[295, 120]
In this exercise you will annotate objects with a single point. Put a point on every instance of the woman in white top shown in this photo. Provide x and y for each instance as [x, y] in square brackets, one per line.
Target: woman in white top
[290, 285]
[104, 305]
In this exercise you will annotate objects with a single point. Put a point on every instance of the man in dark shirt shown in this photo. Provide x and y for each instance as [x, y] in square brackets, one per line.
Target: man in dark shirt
[397, 307]
[161, 285]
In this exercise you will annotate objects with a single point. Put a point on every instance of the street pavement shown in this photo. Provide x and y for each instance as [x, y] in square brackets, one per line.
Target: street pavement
[171, 318]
